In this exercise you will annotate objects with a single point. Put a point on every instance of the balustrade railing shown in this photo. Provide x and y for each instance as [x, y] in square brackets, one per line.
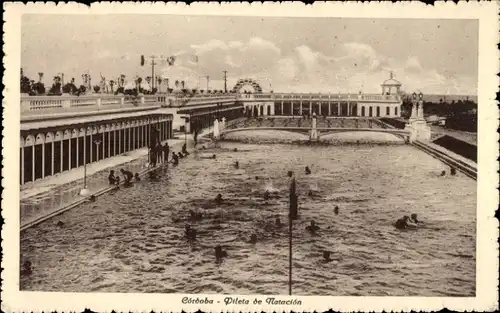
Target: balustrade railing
[39, 105]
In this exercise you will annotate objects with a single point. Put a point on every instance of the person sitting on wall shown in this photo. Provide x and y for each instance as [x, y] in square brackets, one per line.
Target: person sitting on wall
[180, 155]
[117, 180]
[127, 175]
[175, 158]
[111, 177]
[136, 177]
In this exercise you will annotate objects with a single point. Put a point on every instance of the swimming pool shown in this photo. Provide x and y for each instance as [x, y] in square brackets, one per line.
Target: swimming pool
[133, 240]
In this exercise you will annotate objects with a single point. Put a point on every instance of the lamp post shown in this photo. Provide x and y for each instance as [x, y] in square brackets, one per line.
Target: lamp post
[85, 190]
[421, 105]
[186, 120]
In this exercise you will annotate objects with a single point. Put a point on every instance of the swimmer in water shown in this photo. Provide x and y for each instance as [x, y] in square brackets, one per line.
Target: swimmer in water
[256, 177]
[190, 233]
[443, 173]
[219, 199]
[267, 195]
[308, 170]
[414, 219]
[27, 269]
[236, 165]
[402, 223]
[326, 256]
[60, 224]
[253, 239]
[235, 150]
[219, 253]
[278, 223]
[313, 228]
[195, 216]
[310, 193]
[336, 210]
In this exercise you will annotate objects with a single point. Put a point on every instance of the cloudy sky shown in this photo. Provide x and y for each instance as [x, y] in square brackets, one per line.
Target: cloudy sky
[285, 54]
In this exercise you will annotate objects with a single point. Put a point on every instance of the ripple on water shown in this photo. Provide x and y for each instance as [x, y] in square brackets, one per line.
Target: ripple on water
[133, 240]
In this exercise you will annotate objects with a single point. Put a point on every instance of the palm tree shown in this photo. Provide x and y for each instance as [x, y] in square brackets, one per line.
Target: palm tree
[122, 80]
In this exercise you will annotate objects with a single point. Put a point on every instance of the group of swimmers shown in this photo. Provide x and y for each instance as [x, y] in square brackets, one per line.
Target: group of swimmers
[127, 176]
[407, 222]
[190, 232]
[453, 172]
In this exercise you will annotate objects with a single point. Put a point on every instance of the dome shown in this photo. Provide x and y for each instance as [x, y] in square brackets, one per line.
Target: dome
[391, 81]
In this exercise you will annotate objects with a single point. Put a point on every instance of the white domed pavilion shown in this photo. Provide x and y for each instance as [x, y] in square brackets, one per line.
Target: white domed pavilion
[391, 86]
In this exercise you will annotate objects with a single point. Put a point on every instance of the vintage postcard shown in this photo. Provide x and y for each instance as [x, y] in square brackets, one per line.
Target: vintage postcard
[250, 157]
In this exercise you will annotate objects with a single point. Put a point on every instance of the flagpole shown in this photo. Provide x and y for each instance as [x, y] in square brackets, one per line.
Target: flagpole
[292, 214]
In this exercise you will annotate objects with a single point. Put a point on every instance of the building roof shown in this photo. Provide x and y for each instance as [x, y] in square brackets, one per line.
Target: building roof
[391, 81]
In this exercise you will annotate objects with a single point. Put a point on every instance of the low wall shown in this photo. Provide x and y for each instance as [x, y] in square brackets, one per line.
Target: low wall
[393, 122]
[458, 146]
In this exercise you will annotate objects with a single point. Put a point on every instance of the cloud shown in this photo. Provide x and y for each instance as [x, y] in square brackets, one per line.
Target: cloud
[351, 67]
[239, 58]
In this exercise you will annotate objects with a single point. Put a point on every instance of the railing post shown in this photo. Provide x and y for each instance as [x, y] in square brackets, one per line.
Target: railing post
[98, 103]
[66, 104]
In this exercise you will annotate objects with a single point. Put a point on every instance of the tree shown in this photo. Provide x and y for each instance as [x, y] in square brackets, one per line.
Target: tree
[81, 90]
[38, 88]
[70, 88]
[120, 90]
[97, 88]
[25, 83]
[56, 86]
[40, 76]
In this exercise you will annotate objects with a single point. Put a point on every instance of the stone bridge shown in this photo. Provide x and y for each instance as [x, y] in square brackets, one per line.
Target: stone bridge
[325, 126]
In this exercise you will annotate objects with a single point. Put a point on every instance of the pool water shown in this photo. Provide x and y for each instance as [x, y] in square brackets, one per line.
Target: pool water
[133, 240]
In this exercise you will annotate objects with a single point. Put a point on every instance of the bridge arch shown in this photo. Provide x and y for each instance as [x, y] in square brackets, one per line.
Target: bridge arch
[247, 82]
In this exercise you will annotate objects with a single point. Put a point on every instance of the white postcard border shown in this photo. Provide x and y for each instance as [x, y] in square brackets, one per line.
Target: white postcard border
[487, 226]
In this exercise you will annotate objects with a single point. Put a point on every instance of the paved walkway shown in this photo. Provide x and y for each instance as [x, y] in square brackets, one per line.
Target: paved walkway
[44, 197]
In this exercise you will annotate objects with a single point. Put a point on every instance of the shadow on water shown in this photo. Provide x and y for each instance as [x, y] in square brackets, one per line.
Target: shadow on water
[135, 239]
